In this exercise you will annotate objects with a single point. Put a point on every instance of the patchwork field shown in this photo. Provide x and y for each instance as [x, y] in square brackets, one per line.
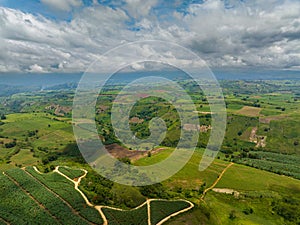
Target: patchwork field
[51, 198]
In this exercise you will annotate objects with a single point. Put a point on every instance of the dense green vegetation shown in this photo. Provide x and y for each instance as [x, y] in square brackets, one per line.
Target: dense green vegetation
[56, 206]
[277, 163]
[65, 189]
[71, 173]
[132, 217]
[102, 191]
[19, 208]
[162, 209]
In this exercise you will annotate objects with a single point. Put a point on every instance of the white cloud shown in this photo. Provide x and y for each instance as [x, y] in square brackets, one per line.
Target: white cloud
[62, 5]
[250, 34]
[139, 8]
[36, 69]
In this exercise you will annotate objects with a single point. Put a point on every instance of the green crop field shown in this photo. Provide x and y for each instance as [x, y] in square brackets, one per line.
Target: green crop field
[17, 207]
[65, 189]
[71, 173]
[57, 206]
[162, 209]
[132, 217]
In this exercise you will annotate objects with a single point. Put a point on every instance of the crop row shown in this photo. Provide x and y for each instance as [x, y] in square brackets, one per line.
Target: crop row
[160, 209]
[65, 189]
[50, 201]
[71, 173]
[137, 216]
[18, 208]
[277, 163]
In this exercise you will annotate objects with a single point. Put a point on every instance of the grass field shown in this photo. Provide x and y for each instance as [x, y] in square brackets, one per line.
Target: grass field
[243, 178]
[50, 132]
[260, 192]
[189, 176]
[24, 158]
[283, 135]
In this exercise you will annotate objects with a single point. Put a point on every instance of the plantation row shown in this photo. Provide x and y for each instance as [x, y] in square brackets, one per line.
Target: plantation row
[71, 173]
[132, 217]
[65, 188]
[274, 167]
[276, 157]
[18, 208]
[34, 203]
[55, 205]
[162, 209]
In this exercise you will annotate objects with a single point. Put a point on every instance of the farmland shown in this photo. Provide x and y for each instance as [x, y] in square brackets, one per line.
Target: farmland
[34, 133]
[53, 199]
[71, 173]
[56, 206]
[65, 189]
[136, 216]
[161, 209]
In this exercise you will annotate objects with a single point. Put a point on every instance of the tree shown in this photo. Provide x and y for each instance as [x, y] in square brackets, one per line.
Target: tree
[10, 144]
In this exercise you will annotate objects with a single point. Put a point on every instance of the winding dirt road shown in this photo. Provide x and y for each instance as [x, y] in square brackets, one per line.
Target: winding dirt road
[216, 181]
[100, 207]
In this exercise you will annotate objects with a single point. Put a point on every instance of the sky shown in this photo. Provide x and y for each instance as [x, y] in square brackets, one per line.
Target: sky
[66, 36]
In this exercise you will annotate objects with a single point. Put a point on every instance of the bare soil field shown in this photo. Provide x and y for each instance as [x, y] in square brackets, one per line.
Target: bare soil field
[120, 152]
[271, 118]
[249, 111]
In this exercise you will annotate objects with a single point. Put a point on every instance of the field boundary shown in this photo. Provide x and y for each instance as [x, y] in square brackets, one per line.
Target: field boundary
[59, 197]
[100, 207]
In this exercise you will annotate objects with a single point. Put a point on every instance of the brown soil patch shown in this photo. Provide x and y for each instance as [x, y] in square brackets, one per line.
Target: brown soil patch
[141, 95]
[227, 191]
[204, 113]
[102, 108]
[120, 152]
[249, 111]
[271, 118]
[259, 140]
[5, 140]
[196, 127]
[59, 110]
[136, 120]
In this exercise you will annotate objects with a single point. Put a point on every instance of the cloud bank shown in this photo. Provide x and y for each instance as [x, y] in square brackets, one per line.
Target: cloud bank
[226, 34]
